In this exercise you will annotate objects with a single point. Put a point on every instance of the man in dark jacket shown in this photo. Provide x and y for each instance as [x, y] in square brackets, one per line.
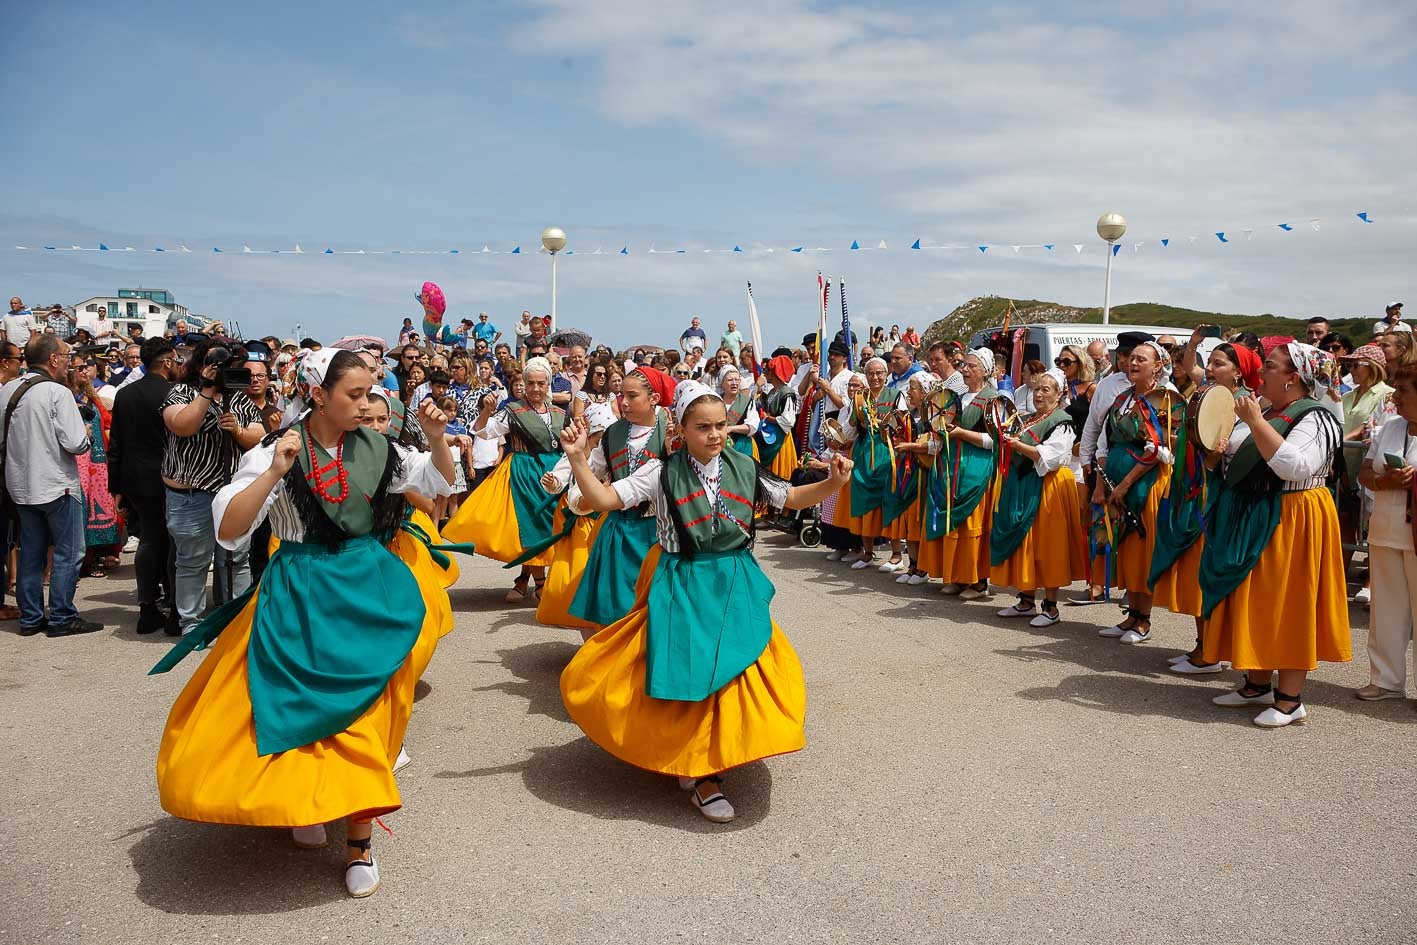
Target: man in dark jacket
[135, 445]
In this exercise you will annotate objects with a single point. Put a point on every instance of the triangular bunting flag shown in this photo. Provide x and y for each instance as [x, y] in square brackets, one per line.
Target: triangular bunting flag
[1078, 247]
[215, 249]
[797, 249]
[103, 247]
[1221, 236]
[299, 250]
[1116, 248]
[624, 250]
[1315, 224]
[915, 245]
[329, 252]
[1017, 248]
[1049, 246]
[158, 249]
[1364, 216]
[737, 248]
[1285, 227]
[1249, 234]
[984, 249]
[881, 245]
[454, 252]
[516, 251]
[1165, 241]
[855, 245]
[486, 248]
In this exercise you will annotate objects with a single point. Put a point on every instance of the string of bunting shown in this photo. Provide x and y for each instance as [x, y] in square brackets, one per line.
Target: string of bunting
[919, 245]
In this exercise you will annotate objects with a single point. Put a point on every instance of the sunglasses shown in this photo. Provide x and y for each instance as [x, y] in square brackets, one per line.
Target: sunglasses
[1064, 362]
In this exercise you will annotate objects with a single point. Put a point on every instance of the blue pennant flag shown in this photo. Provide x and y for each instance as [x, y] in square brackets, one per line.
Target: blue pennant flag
[1049, 246]
[984, 249]
[681, 251]
[737, 248]
[1285, 227]
[1165, 241]
[105, 248]
[159, 249]
[454, 252]
[570, 252]
[517, 251]
[396, 252]
[1116, 248]
[1364, 216]
[329, 252]
[1221, 236]
[915, 245]
[624, 250]
[797, 249]
[275, 251]
[856, 245]
[49, 247]
[215, 249]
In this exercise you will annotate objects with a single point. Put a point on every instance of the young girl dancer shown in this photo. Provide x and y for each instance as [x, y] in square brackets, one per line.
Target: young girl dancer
[696, 679]
[296, 716]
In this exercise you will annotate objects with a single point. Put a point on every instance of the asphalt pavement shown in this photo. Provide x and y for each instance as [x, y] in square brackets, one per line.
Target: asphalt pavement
[966, 779]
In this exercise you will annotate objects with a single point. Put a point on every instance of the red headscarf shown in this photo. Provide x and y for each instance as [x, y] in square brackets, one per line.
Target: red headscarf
[782, 367]
[1249, 366]
[658, 382]
[1270, 342]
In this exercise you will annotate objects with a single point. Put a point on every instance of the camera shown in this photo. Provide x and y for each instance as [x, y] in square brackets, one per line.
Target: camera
[228, 379]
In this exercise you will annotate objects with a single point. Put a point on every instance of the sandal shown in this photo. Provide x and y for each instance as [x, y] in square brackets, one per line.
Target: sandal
[361, 876]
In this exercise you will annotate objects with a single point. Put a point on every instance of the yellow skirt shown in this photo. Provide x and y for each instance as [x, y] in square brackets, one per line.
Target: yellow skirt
[208, 769]
[962, 556]
[568, 559]
[1053, 553]
[784, 464]
[453, 572]
[867, 526]
[757, 715]
[488, 519]
[1179, 587]
[1131, 565]
[438, 610]
[1291, 611]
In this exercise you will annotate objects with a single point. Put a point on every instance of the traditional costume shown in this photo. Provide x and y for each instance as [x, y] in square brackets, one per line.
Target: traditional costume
[743, 411]
[776, 449]
[696, 679]
[872, 452]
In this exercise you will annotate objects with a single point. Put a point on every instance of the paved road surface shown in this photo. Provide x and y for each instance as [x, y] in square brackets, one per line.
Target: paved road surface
[966, 779]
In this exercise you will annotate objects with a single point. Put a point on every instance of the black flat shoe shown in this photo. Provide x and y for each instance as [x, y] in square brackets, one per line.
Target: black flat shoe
[73, 628]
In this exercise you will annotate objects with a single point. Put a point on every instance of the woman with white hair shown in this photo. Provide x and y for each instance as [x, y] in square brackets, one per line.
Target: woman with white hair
[872, 461]
[1036, 538]
[510, 517]
[955, 547]
[743, 416]
[1271, 573]
[914, 449]
[674, 686]
[1134, 456]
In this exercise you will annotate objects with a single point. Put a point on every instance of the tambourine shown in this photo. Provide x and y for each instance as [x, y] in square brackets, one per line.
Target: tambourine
[942, 409]
[1210, 415]
[1001, 417]
[834, 434]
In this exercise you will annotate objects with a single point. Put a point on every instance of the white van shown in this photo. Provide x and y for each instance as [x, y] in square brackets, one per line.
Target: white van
[1045, 341]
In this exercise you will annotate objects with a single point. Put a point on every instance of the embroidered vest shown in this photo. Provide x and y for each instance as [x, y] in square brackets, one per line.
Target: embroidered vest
[529, 430]
[702, 525]
[620, 459]
[1248, 472]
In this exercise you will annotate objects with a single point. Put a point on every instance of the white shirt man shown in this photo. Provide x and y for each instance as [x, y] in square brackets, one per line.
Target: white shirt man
[18, 324]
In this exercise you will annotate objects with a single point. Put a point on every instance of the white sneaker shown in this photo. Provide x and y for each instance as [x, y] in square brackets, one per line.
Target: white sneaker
[890, 567]
[1186, 668]
[1364, 597]
[715, 808]
[860, 564]
[834, 555]
[917, 579]
[950, 590]
[1045, 619]
[361, 878]
[1234, 699]
[309, 838]
[1015, 611]
[131, 545]
[402, 760]
[970, 593]
[1131, 637]
[904, 578]
[1273, 718]
[1112, 632]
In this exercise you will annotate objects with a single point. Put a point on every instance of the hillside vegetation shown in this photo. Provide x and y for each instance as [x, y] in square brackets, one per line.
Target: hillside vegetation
[988, 312]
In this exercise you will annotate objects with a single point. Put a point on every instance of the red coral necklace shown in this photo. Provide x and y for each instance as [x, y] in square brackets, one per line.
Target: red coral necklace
[317, 473]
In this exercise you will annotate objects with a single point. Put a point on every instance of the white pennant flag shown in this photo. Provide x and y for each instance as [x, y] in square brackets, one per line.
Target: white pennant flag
[1315, 225]
[1136, 247]
[1078, 247]
[1249, 234]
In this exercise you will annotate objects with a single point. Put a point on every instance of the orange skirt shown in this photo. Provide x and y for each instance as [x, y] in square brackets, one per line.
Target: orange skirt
[563, 577]
[962, 556]
[1291, 611]
[1053, 553]
[759, 714]
[1179, 587]
[1131, 565]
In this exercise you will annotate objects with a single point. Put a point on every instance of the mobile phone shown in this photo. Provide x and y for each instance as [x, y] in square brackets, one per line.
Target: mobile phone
[1394, 461]
[1210, 331]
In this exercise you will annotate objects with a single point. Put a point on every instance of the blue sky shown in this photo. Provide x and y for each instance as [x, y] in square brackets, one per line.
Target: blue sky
[687, 124]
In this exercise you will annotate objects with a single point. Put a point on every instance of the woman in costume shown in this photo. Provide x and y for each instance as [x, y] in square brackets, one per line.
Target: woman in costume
[872, 459]
[743, 416]
[1190, 499]
[510, 512]
[696, 679]
[607, 587]
[955, 547]
[1271, 573]
[1134, 456]
[914, 451]
[780, 403]
[1036, 539]
[837, 524]
[295, 717]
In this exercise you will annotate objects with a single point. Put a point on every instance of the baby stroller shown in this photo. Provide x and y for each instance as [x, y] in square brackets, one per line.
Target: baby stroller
[806, 523]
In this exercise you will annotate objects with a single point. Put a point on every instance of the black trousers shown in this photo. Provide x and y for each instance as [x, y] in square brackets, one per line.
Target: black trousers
[154, 561]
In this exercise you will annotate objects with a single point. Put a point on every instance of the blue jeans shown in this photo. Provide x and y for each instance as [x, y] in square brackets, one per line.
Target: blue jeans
[189, 522]
[59, 523]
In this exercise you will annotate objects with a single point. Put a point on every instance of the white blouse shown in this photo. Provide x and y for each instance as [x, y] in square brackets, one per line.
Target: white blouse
[1305, 458]
[639, 436]
[643, 486]
[1163, 454]
[1056, 450]
[419, 475]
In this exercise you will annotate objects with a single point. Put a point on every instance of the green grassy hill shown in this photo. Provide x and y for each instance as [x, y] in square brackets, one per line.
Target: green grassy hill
[988, 312]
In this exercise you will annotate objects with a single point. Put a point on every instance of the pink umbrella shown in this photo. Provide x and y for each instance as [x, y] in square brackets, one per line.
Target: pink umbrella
[355, 342]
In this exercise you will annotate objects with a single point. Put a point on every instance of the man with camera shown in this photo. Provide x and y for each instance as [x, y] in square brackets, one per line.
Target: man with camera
[210, 422]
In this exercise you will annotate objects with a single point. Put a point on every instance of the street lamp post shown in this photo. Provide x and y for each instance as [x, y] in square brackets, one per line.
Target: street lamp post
[1110, 226]
[553, 240]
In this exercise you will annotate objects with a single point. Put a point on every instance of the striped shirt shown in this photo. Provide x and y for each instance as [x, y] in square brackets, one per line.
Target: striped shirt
[206, 459]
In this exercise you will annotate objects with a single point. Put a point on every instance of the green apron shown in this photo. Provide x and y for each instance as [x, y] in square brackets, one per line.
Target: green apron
[536, 450]
[333, 621]
[771, 435]
[708, 603]
[870, 456]
[1021, 494]
[1188, 503]
[1126, 441]
[1246, 514]
[966, 472]
[742, 442]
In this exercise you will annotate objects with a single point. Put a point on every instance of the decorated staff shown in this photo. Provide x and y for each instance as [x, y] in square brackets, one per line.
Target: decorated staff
[696, 679]
[1134, 464]
[1231, 372]
[1036, 539]
[1271, 574]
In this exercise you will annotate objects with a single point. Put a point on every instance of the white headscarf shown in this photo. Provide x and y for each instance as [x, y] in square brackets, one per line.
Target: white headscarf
[686, 393]
[315, 365]
[599, 416]
[986, 358]
[1164, 357]
[539, 363]
[1315, 367]
[1062, 379]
